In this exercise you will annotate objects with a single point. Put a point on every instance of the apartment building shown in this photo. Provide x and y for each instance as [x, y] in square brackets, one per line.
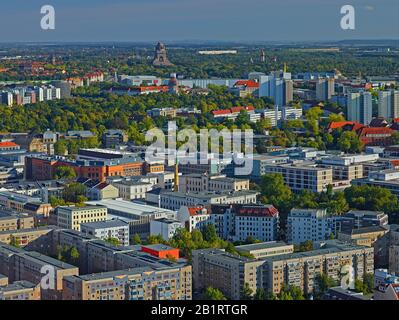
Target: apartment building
[23, 203]
[204, 182]
[310, 224]
[366, 236]
[102, 191]
[20, 290]
[175, 200]
[110, 229]
[355, 219]
[301, 269]
[16, 221]
[301, 176]
[29, 266]
[72, 217]
[193, 217]
[166, 228]
[143, 283]
[22, 237]
[132, 189]
[238, 222]
[229, 273]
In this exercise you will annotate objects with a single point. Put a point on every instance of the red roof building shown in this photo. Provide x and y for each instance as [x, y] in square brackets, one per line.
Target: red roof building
[8, 145]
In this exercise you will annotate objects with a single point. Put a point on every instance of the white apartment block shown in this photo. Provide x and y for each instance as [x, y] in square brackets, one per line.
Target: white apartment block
[309, 224]
[115, 229]
[166, 228]
[238, 222]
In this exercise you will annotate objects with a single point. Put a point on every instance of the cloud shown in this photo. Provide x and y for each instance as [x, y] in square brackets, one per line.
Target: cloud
[369, 8]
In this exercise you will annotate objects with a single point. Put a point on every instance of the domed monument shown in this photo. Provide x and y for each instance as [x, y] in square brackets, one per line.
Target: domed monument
[161, 57]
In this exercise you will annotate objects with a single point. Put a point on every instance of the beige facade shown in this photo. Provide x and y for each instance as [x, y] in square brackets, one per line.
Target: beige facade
[302, 269]
[363, 236]
[15, 222]
[134, 284]
[28, 266]
[300, 177]
[228, 273]
[24, 236]
[72, 217]
[20, 290]
[204, 182]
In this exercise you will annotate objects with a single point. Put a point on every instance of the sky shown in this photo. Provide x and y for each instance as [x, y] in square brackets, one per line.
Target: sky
[193, 20]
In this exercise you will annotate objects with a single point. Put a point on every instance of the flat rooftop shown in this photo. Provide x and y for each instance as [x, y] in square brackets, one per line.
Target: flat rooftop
[114, 223]
[129, 207]
[262, 246]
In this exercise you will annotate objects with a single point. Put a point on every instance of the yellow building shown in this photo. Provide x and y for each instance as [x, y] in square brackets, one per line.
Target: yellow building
[72, 217]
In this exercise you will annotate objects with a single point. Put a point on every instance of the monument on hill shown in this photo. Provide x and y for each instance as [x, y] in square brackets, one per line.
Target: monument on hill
[161, 57]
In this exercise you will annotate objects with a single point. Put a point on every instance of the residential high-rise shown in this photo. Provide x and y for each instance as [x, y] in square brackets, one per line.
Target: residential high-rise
[325, 89]
[277, 86]
[388, 104]
[360, 107]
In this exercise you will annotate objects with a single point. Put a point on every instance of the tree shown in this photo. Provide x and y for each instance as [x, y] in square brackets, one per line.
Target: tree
[275, 191]
[209, 233]
[73, 191]
[64, 173]
[368, 283]
[74, 254]
[213, 294]
[305, 246]
[374, 198]
[113, 241]
[350, 142]
[324, 282]
[136, 239]
[246, 292]
[290, 293]
[260, 294]
[313, 116]
[15, 242]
